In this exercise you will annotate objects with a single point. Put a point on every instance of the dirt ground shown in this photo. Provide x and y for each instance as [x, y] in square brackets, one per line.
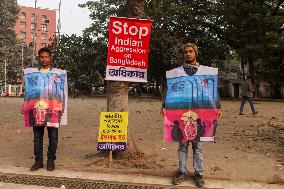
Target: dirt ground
[248, 148]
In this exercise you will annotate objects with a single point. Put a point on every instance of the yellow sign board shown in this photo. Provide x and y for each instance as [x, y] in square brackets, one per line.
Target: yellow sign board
[113, 131]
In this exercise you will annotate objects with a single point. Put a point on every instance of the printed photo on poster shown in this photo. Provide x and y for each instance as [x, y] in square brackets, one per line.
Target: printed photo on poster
[45, 101]
[191, 105]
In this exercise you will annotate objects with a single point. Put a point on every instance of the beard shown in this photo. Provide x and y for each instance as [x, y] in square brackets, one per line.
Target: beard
[189, 61]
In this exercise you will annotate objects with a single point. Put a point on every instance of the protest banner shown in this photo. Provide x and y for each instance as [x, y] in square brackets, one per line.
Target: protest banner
[191, 105]
[46, 96]
[128, 48]
[113, 131]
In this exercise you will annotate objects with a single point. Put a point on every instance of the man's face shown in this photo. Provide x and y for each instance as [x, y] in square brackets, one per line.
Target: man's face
[45, 59]
[189, 55]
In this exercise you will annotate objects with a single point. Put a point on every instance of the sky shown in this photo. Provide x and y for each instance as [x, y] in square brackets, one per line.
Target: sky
[73, 18]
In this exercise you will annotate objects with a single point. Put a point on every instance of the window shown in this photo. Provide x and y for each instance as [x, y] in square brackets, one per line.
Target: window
[33, 35]
[32, 26]
[23, 35]
[23, 15]
[43, 45]
[43, 36]
[33, 16]
[23, 25]
[43, 27]
[43, 17]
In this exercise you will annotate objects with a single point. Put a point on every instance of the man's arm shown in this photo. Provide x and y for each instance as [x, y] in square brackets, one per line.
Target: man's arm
[22, 109]
[250, 87]
[219, 111]
[164, 93]
[65, 93]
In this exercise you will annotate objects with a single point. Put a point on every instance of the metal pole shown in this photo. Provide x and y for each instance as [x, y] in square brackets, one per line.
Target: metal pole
[5, 68]
[59, 22]
[34, 37]
[22, 60]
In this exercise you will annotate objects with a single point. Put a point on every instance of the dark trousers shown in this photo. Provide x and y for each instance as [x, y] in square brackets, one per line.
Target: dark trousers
[244, 98]
[38, 142]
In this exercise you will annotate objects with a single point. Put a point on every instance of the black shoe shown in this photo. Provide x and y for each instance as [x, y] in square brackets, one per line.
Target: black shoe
[50, 166]
[241, 113]
[36, 166]
[199, 180]
[255, 113]
[179, 178]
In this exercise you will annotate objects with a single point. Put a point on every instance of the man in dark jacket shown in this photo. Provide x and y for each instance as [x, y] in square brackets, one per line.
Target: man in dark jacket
[247, 93]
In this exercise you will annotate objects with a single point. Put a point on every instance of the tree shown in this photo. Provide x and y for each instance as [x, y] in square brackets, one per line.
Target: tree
[277, 7]
[178, 22]
[249, 28]
[8, 15]
[8, 43]
[100, 12]
[252, 29]
[117, 91]
[175, 22]
[80, 57]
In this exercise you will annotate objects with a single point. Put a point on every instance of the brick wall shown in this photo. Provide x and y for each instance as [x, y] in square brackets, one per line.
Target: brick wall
[45, 26]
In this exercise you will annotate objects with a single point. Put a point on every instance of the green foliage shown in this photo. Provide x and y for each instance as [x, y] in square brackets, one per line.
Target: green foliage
[259, 39]
[83, 60]
[251, 29]
[8, 16]
[100, 12]
[169, 31]
[14, 62]
[179, 22]
[8, 42]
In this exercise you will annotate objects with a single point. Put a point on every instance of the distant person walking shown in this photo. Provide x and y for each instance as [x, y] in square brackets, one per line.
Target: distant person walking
[247, 93]
[45, 105]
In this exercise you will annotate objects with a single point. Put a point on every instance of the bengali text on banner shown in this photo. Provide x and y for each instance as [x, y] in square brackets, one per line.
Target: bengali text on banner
[113, 131]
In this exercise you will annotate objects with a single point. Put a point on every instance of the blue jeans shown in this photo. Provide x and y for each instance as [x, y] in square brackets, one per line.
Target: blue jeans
[38, 142]
[244, 98]
[197, 157]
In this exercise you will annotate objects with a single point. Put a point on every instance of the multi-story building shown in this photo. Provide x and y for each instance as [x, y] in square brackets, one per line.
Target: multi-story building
[36, 24]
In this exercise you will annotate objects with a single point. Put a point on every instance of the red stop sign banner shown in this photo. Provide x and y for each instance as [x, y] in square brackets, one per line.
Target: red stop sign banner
[128, 49]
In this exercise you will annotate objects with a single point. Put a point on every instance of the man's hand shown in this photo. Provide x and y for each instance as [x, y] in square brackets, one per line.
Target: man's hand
[219, 114]
[163, 108]
[162, 111]
[22, 111]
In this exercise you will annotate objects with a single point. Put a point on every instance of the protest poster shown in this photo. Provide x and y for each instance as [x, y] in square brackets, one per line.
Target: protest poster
[46, 96]
[113, 131]
[128, 48]
[191, 105]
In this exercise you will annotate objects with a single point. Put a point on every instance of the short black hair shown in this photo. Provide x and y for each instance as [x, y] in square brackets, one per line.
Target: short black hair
[44, 49]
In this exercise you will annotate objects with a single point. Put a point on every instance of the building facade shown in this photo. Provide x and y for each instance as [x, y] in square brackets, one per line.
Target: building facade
[36, 26]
